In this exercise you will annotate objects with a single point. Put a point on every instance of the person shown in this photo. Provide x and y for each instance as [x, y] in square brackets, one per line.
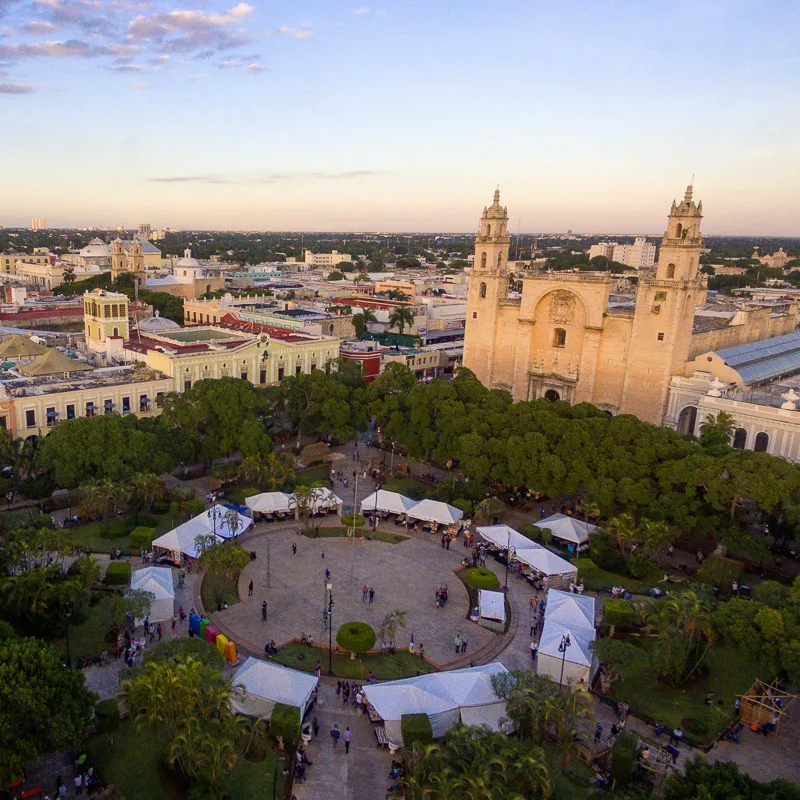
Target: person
[327, 574]
[464, 640]
[533, 651]
[457, 643]
[173, 623]
[182, 614]
[422, 650]
[315, 726]
[78, 783]
[335, 734]
[364, 593]
[160, 631]
[371, 594]
[598, 733]
[250, 589]
[676, 736]
[264, 610]
[294, 549]
[348, 737]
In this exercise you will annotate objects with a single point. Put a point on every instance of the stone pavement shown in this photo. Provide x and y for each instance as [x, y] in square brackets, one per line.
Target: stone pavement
[334, 775]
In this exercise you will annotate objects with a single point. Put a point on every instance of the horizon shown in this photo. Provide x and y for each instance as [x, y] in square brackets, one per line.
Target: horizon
[334, 116]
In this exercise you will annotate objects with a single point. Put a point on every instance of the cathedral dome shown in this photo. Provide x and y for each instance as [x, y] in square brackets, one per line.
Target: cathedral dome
[495, 210]
[189, 260]
[96, 248]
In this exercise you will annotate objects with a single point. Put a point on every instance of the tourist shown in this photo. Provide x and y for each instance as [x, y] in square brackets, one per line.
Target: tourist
[294, 549]
[264, 610]
[457, 643]
[422, 651]
[173, 623]
[371, 594]
[160, 630]
[335, 735]
[533, 651]
[250, 589]
[315, 726]
[364, 593]
[464, 641]
[348, 737]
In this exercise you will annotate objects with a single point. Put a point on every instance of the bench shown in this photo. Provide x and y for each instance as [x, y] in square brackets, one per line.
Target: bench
[380, 735]
[35, 791]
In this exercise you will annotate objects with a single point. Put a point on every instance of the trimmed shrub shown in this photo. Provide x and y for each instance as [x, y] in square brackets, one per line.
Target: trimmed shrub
[118, 573]
[285, 722]
[193, 507]
[416, 729]
[356, 637]
[106, 714]
[160, 507]
[586, 567]
[353, 520]
[116, 529]
[481, 578]
[143, 521]
[142, 537]
[619, 613]
[719, 568]
[531, 531]
[176, 650]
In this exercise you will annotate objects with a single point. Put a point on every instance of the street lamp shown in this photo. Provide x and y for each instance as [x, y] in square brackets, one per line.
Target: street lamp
[329, 587]
[391, 465]
[67, 615]
[509, 550]
[562, 648]
[213, 515]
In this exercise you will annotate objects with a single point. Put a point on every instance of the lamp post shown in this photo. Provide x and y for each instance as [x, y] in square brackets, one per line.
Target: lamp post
[213, 515]
[329, 587]
[562, 648]
[508, 561]
[67, 615]
[391, 464]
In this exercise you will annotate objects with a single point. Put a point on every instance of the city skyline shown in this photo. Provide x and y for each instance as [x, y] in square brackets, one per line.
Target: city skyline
[345, 117]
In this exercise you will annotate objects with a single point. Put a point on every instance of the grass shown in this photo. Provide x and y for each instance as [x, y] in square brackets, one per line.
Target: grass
[731, 672]
[600, 580]
[88, 638]
[238, 494]
[130, 759]
[368, 533]
[217, 587]
[90, 539]
[385, 667]
[480, 578]
[410, 487]
[307, 477]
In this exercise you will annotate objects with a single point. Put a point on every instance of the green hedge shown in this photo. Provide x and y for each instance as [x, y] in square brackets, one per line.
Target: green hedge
[480, 578]
[356, 637]
[285, 722]
[106, 714]
[416, 729]
[193, 507]
[116, 529]
[619, 613]
[118, 573]
[142, 537]
[719, 568]
[160, 507]
[353, 520]
[176, 651]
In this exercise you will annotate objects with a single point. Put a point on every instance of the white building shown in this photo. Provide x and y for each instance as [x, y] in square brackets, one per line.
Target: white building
[637, 255]
[327, 259]
[604, 249]
[38, 224]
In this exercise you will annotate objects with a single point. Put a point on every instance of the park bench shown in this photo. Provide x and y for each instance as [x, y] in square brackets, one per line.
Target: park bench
[380, 735]
[34, 791]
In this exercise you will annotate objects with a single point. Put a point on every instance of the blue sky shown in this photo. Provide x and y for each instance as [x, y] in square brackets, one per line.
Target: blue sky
[328, 115]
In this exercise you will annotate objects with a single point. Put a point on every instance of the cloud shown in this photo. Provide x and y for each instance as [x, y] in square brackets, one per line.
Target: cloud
[130, 67]
[250, 63]
[360, 11]
[256, 68]
[16, 88]
[140, 86]
[72, 48]
[38, 28]
[303, 32]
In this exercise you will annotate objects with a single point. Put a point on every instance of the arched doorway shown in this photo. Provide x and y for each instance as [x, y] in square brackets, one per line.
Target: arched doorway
[762, 442]
[552, 395]
[687, 420]
[740, 439]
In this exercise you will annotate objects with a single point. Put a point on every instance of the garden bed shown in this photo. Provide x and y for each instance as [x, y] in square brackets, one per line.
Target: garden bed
[385, 667]
[217, 588]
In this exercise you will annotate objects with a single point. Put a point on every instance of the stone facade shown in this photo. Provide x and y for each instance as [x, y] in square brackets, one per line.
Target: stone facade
[559, 339]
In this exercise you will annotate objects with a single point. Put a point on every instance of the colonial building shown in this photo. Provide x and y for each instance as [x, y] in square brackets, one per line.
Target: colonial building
[189, 279]
[559, 338]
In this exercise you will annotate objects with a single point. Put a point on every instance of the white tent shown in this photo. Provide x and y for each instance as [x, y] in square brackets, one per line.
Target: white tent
[265, 684]
[388, 502]
[222, 526]
[435, 511]
[504, 535]
[323, 499]
[271, 502]
[446, 697]
[158, 581]
[181, 541]
[567, 615]
[568, 529]
[532, 553]
[492, 605]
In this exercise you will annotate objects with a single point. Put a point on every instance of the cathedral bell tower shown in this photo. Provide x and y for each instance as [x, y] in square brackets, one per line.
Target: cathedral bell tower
[488, 284]
[117, 258]
[136, 262]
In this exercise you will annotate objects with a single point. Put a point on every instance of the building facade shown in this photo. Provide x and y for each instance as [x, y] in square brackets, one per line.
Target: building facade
[559, 339]
[327, 259]
[638, 255]
[105, 317]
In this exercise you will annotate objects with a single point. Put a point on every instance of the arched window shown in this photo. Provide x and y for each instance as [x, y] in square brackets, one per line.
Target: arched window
[762, 442]
[483, 290]
[740, 439]
[559, 337]
[552, 395]
[670, 270]
[687, 419]
[679, 230]
[483, 260]
[115, 332]
[488, 230]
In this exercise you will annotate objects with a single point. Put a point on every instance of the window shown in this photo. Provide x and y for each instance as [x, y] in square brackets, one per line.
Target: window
[483, 260]
[52, 416]
[762, 443]
[144, 402]
[106, 311]
[108, 407]
[280, 373]
[679, 231]
[187, 385]
[499, 259]
[483, 290]
[559, 337]
[298, 370]
[670, 270]
[488, 230]
[474, 315]
[194, 316]
[740, 439]
[244, 375]
[3, 422]
[313, 365]
[90, 410]
[263, 376]
[70, 411]
[660, 337]
[126, 405]
[115, 332]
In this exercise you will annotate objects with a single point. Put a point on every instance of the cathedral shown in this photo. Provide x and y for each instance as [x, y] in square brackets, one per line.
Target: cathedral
[563, 338]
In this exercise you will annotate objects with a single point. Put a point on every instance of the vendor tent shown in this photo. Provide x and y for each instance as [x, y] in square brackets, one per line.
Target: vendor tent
[505, 536]
[323, 499]
[388, 502]
[265, 684]
[158, 581]
[271, 502]
[228, 524]
[547, 563]
[573, 531]
[446, 697]
[181, 541]
[435, 511]
[567, 615]
[492, 605]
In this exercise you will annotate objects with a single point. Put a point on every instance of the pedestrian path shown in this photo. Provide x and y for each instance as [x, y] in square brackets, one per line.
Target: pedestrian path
[335, 775]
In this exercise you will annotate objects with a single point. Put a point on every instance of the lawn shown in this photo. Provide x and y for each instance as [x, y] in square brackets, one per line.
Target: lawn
[731, 673]
[385, 667]
[307, 477]
[129, 758]
[218, 588]
[90, 539]
[600, 580]
[367, 533]
[88, 638]
[410, 487]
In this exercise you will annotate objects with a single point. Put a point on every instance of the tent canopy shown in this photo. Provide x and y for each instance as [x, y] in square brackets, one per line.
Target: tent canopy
[573, 610]
[266, 684]
[545, 562]
[568, 529]
[503, 535]
[323, 498]
[222, 527]
[271, 502]
[183, 539]
[156, 580]
[492, 605]
[578, 652]
[435, 511]
[389, 502]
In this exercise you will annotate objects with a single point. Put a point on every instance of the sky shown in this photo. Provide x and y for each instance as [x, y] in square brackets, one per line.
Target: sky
[590, 115]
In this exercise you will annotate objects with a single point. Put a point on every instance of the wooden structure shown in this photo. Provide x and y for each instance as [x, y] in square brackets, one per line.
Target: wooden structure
[764, 704]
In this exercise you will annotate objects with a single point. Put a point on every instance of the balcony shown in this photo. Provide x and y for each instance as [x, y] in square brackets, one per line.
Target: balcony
[665, 242]
[571, 277]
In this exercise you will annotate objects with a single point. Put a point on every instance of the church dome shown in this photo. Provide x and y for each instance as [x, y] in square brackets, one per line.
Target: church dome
[189, 260]
[157, 324]
[96, 248]
[495, 210]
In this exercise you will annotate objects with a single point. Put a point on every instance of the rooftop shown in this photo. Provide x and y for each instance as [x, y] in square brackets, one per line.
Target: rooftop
[766, 360]
[51, 384]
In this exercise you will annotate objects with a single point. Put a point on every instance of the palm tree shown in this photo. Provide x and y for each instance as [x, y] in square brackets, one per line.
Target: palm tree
[623, 530]
[720, 427]
[304, 498]
[401, 317]
[369, 315]
[69, 276]
[392, 622]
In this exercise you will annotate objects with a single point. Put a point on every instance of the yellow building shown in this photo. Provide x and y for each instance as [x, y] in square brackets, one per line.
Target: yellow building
[561, 339]
[41, 256]
[105, 316]
[406, 287]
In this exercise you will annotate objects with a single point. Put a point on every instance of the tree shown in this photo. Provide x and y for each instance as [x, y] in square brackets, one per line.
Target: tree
[126, 608]
[362, 319]
[395, 620]
[618, 660]
[721, 780]
[304, 499]
[146, 488]
[336, 275]
[356, 637]
[225, 558]
[717, 430]
[43, 705]
[69, 276]
[268, 473]
[401, 318]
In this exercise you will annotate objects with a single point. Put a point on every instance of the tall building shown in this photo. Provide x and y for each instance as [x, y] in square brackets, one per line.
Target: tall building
[38, 224]
[603, 249]
[327, 259]
[145, 230]
[638, 255]
[561, 339]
